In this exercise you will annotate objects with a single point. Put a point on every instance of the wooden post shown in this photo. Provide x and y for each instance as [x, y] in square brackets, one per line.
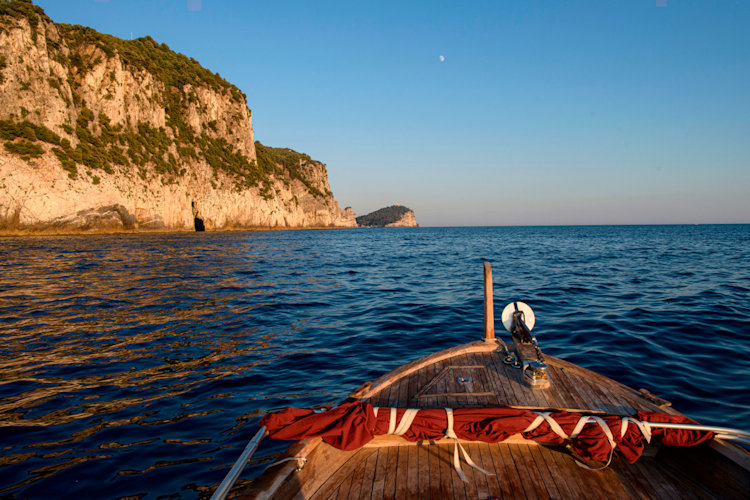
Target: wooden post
[489, 314]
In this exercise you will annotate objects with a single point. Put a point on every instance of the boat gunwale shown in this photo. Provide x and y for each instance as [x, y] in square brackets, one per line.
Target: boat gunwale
[266, 485]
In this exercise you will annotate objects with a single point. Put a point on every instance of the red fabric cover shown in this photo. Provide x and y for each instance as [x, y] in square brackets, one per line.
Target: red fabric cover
[674, 437]
[346, 427]
[490, 425]
[353, 425]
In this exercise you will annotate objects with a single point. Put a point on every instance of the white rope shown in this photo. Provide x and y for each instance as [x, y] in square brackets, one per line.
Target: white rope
[300, 462]
[536, 423]
[545, 417]
[642, 426]
[451, 434]
[395, 427]
[392, 421]
[406, 420]
[607, 432]
[400, 427]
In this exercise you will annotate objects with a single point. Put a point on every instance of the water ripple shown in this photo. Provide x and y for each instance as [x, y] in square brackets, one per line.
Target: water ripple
[139, 365]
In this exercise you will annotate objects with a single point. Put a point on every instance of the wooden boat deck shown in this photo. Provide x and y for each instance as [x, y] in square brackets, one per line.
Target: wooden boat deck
[521, 471]
[390, 467]
[493, 383]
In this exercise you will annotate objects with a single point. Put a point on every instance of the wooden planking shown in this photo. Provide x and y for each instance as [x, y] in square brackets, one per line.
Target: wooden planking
[390, 474]
[458, 486]
[368, 476]
[567, 390]
[581, 390]
[345, 477]
[553, 459]
[507, 480]
[520, 472]
[355, 484]
[401, 474]
[640, 488]
[498, 384]
[447, 475]
[441, 386]
[379, 475]
[592, 395]
[513, 383]
[368, 389]
[544, 470]
[668, 483]
[394, 393]
[649, 470]
[526, 468]
[395, 470]
[433, 468]
[413, 473]
[484, 459]
[403, 394]
[477, 485]
[431, 372]
[485, 381]
[613, 404]
[495, 367]
[416, 380]
[451, 384]
[728, 478]
[345, 486]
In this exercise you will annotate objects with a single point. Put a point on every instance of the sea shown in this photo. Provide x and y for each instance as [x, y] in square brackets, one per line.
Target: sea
[139, 365]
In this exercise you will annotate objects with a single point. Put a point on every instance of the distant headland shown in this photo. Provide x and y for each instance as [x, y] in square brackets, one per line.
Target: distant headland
[393, 216]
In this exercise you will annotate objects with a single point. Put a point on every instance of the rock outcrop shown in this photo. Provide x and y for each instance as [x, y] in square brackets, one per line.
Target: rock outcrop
[406, 220]
[103, 134]
[393, 216]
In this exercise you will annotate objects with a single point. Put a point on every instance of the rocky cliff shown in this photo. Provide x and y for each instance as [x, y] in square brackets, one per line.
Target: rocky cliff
[393, 216]
[406, 220]
[100, 133]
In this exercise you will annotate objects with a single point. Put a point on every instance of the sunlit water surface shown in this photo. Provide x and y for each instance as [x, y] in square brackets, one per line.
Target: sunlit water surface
[139, 365]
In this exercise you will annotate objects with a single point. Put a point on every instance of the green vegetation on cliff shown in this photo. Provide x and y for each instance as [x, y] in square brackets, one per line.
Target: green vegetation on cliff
[172, 68]
[129, 147]
[382, 217]
[293, 162]
[22, 9]
[168, 151]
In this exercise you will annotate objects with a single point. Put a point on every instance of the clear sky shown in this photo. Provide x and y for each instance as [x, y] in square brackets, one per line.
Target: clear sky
[503, 112]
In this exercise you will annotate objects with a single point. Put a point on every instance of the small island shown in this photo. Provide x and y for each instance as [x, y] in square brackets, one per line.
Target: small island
[393, 216]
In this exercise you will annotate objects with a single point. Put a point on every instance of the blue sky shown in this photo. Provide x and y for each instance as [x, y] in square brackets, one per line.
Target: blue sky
[541, 112]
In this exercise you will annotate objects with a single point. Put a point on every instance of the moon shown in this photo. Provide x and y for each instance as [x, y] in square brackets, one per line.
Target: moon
[442, 58]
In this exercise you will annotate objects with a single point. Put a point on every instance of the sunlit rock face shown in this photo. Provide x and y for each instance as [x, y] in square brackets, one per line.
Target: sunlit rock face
[393, 216]
[406, 220]
[103, 134]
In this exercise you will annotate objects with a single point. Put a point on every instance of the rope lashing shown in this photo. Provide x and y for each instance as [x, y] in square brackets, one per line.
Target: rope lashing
[450, 434]
[644, 427]
[406, 420]
[301, 461]
[399, 429]
[555, 427]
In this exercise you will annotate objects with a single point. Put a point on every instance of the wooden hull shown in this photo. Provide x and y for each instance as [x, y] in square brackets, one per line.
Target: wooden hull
[390, 467]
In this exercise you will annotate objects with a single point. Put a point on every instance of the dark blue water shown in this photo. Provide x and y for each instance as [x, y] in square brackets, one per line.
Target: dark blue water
[139, 365]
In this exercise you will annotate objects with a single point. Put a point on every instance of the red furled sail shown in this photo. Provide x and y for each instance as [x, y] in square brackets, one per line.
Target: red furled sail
[352, 425]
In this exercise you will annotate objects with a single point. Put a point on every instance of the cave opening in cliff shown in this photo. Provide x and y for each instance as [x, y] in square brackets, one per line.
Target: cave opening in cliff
[197, 220]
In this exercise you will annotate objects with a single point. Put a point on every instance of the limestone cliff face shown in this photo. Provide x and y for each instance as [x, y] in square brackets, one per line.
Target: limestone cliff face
[100, 133]
[406, 220]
